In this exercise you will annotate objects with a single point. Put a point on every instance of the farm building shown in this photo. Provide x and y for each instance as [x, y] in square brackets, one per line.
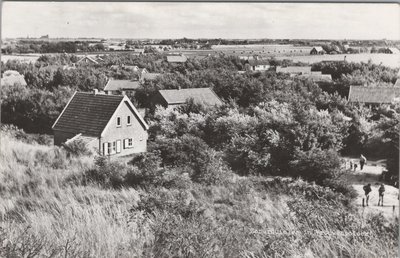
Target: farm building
[317, 77]
[149, 76]
[178, 97]
[317, 51]
[391, 50]
[89, 60]
[115, 87]
[106, 124]
[10, 78]
[139, 51]
[294, 70]
[258, 64]
[374, 95]
[176, 58]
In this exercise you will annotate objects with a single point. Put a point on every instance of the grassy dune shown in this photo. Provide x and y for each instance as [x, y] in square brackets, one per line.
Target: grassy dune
[49, 208]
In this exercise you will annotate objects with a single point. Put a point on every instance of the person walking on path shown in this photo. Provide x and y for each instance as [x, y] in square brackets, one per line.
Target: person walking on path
[381, 191]
[367, 190]
[363, 160]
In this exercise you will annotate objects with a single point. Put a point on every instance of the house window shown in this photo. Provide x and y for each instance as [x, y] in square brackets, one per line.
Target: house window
[109, 147]
[128, 120]
[118, 121]
[128, 143]
[114, 147]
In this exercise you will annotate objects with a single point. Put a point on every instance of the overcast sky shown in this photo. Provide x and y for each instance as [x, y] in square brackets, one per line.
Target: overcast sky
[201, 20]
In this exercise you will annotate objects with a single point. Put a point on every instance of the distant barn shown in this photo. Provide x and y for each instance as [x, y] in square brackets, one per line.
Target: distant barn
[176, 58]
[374, 95]
[317, 51]
[294, 70]
[115, 87]
[178, 97]
[258, 64]
[391, 50]
[317, 77]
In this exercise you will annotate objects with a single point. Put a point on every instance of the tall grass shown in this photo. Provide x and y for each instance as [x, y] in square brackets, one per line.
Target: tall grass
[48, 211]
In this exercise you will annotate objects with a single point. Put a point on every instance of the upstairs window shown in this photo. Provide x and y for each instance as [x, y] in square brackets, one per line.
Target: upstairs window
[128, 120]
[118, 122]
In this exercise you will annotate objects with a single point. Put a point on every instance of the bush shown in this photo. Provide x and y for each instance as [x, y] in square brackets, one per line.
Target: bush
[77, 148]
[316, 165]
[106, 173]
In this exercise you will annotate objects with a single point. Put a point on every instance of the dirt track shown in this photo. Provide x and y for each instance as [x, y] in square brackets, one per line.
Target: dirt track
[371, 174]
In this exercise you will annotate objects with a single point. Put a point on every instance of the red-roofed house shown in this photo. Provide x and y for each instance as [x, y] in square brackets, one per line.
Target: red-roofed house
[107, 124]
[178, 97]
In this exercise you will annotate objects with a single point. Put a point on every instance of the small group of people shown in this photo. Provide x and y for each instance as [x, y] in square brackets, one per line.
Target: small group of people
[368, 190]
[354, 165]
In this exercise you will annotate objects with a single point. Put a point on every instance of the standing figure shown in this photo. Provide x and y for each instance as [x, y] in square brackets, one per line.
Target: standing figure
[351, 165]
[381, 191]
[367, 190]
[363, 160]
[355, 167]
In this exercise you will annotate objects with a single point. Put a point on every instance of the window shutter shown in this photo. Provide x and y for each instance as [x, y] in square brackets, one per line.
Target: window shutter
[118, 146]
[125, 144]
[105, 148]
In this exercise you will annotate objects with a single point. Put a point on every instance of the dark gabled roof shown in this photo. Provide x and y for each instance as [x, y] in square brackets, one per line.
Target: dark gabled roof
[122, 85]
[318, 49]
[374, 95]
[199, 95]
[87, 113]
[255, 62]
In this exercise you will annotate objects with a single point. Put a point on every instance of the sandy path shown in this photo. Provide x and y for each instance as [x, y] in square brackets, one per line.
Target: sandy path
[370, 174]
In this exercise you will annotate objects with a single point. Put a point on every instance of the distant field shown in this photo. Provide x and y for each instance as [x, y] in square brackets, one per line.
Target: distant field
[390, 60]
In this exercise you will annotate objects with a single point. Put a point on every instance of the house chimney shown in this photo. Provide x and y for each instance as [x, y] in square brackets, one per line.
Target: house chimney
[96, 91]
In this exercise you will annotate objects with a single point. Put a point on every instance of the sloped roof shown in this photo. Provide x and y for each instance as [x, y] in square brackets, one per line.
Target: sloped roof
[150, 76]
[294, 69]
[199, 95]
[79, 137]
[317, 77]
[122, 85]
[87, 113]
[176, 59]
[255, 62]
[11, 78]
[319, 49]
[397, 84]
[394, 50]
[131, 67]
[374, 95]
[87, 58]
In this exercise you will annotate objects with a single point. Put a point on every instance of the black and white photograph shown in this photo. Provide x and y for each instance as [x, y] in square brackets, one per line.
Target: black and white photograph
[199, 129]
